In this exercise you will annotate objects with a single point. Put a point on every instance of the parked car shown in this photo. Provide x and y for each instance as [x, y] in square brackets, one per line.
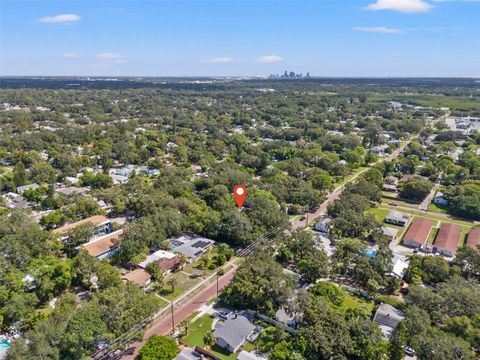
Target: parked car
[409, 351]
[224, 314]
[391, 203]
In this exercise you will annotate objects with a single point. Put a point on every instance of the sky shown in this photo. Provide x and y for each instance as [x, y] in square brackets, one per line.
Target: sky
[338, 38]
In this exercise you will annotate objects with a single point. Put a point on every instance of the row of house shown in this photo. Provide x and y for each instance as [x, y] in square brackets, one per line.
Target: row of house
[446, 241]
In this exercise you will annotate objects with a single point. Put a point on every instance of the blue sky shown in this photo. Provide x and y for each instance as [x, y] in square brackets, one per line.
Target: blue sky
[207, 38]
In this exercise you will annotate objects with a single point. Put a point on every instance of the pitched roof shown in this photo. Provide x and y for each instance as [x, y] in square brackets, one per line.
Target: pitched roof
[95, 220]
[398, 216]
[103, 244]
[448, 237]
[137, 276]
[234, 331]
[165, 259]
[419, 230]
[473, 239]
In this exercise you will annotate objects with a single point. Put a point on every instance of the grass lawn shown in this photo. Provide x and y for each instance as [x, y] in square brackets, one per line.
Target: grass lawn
[184, 282]
[198, 330]
[353, 302]
[195, 269]
[399, 202]
[380, 214]
[196, 334]
[435, 208]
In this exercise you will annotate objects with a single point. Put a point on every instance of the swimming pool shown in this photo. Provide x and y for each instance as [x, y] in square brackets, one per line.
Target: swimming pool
[4, 346]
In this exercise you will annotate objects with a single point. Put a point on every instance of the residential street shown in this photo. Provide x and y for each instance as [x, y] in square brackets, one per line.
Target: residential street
[163, 325]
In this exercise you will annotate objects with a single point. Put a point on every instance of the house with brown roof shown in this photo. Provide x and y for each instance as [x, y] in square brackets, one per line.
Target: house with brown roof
[165, 259]
[139, 277]
[105, 246]
[100, 222]
[473, 239]
[448, 237]
[418, 232]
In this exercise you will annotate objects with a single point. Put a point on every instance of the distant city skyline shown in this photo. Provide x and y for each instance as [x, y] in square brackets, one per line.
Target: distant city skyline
[351, 38]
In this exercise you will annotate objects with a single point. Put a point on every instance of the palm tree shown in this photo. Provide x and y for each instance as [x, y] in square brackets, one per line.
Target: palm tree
[172, 282]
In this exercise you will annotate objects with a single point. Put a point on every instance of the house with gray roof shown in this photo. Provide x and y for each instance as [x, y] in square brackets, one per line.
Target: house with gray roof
[397, 218]
[22, 189]
[192, 246]
[388, 317]
[233, 333]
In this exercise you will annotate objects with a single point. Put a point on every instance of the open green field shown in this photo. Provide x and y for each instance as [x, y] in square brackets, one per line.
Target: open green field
[354, 302]
[455, 103]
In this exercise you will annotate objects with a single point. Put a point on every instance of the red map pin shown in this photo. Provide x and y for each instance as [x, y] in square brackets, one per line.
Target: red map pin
[240, 193]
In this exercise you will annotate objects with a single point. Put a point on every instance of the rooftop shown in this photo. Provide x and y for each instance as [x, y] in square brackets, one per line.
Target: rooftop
[95, 220]
[103, 244]
[448, 237]
[473, 239]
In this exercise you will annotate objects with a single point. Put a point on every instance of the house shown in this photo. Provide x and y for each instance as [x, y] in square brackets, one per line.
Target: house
[233, 333]
[399, 267]
[139, 277]
[119, 179]
[379, 149]
[192, 246]
[418, 232]
[440, 199]
[473, 239]
[165, 259]
[389, 232]
[22, 189]
[245, 355]
[323, 225]
[188, 354]
[125, 171]
[104, 247]
[72, 191]
[16, 201]
[388, 317]
[101, 223]
[448, 237]
[389, 187]
[148, 170]
[397, 218]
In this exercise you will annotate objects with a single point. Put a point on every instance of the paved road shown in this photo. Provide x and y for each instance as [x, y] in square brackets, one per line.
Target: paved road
[163, 325]
[428, 199]
[310, 217]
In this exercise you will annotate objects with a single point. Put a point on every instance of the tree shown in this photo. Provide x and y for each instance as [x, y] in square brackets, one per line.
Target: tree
[172, 282]
[416, 189]
[19, 174]
[155, 271]
[159, 348]
[259, 284]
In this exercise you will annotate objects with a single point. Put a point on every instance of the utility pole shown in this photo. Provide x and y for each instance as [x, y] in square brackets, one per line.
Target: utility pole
[218, 272]
[173, 319]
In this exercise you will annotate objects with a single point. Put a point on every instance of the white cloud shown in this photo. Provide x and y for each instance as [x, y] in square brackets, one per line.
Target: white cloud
[405, 6]
[62, 18]
[221, 60]
[269, 59]
[378, 29]
[111, 58]
[70, 55]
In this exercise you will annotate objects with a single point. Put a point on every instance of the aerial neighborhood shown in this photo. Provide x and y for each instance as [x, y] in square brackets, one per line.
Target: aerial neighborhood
[121, 235]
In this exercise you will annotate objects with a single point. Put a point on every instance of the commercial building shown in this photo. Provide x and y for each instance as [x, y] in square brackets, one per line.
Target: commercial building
[473, 239]
[418, 232]
[448, 237]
